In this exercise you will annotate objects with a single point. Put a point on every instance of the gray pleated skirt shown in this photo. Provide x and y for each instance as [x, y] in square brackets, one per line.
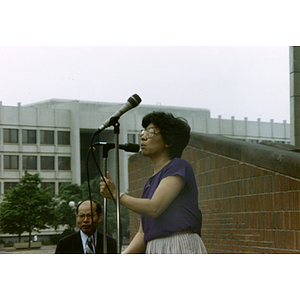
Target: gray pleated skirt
[177, 243]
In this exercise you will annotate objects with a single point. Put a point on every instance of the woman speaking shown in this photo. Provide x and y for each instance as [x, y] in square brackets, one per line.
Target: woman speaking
[169, 202]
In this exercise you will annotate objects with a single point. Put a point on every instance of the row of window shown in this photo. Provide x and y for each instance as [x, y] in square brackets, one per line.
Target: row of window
[30, 136]
[44, 185]
[255, 141]
[11, 162]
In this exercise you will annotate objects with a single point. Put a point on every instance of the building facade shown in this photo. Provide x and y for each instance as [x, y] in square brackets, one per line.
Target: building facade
[53, 138]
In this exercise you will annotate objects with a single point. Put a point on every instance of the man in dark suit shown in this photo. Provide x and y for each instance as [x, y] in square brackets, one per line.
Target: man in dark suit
[79, 242]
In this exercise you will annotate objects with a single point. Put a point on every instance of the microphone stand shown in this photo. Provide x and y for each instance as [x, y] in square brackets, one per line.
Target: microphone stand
[106, 148]
[114, 121]
[116, 125]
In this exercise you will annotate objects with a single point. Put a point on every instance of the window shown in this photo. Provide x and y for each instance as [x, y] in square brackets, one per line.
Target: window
[11, 162]
[10, 135]
[47, 137]
[29, 162]
[64, 163]
[253, 141]
[28, 136]
[131, 138]
[47, 162]
[8, 185]
[63, 137]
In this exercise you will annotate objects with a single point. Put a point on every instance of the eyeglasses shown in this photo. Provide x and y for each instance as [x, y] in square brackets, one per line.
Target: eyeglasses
[83, 216]
[148, 133]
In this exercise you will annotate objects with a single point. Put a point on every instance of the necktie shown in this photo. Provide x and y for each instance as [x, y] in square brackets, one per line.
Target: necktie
[89, 246]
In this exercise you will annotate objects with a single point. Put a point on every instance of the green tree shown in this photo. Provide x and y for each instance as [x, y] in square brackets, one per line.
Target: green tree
[27, 206]
[66, 215]
[111, 209]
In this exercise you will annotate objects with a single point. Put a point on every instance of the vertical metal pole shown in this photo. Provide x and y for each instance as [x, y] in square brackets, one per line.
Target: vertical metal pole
[295, 95]
[105, 215]
[117, 129]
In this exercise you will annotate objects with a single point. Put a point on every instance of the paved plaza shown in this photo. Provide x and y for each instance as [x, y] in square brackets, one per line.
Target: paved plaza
[43, 250]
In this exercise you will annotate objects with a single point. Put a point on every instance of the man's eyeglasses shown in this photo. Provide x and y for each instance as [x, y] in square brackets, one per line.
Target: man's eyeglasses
[148, 133]
[83, 216]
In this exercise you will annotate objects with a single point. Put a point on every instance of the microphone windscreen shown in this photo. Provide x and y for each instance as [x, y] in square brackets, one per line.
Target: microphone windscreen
[135, 100]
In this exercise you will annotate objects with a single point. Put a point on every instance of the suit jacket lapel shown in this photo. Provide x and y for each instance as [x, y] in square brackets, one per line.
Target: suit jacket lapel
[99, 248]
[77, 244]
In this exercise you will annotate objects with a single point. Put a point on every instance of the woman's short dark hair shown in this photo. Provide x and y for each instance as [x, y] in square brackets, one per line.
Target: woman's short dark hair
[98, 207]
[175, 131]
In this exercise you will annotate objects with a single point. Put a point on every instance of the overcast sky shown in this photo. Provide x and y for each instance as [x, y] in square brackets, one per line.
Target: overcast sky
[235, 81]
[230, 59]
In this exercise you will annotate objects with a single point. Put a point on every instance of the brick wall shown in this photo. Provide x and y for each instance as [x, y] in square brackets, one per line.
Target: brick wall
[248, 194]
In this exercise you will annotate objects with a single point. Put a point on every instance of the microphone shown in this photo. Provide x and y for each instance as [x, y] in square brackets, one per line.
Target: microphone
[132, 102]
[128, 147]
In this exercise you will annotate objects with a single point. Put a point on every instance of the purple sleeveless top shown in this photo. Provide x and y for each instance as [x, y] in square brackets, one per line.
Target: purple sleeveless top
[182, 214]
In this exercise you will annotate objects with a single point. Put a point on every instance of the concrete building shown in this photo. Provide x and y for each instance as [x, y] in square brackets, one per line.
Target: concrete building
[52, 137]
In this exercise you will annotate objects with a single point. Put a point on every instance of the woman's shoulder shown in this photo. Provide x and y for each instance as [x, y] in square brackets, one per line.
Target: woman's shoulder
[179, 162]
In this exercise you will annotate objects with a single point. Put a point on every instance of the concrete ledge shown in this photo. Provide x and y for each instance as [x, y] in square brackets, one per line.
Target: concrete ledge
[25, 245]
[279, 160]
[283, 159]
